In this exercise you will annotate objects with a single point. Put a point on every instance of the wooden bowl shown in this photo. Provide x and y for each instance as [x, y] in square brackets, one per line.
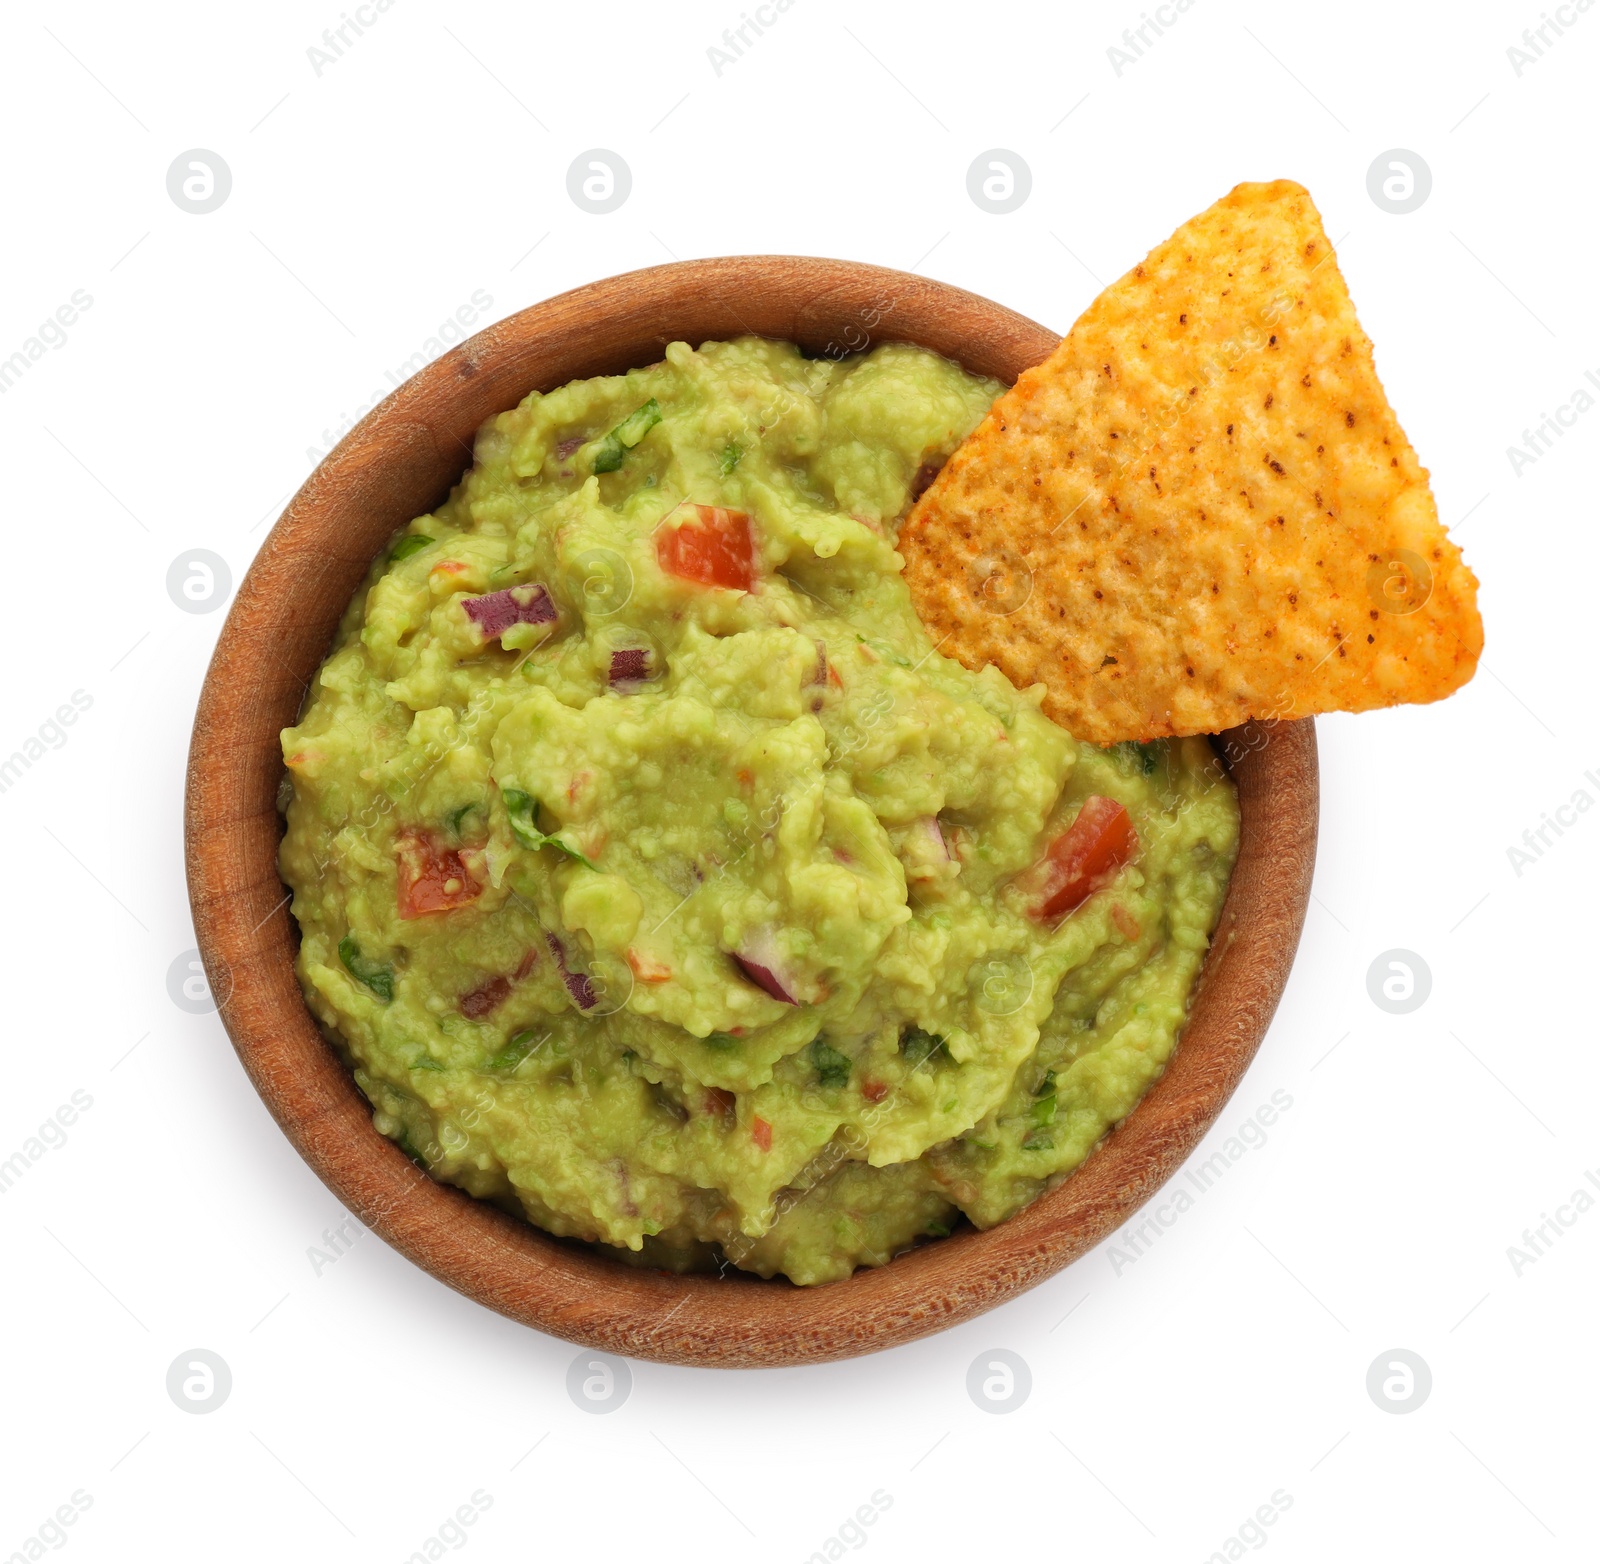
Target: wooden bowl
[399, 462]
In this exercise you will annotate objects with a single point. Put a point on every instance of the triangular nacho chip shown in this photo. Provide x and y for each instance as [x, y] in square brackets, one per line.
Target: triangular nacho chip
[1200, 508]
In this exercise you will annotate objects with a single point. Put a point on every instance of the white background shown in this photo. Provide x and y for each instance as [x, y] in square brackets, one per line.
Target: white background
[1171, 1396]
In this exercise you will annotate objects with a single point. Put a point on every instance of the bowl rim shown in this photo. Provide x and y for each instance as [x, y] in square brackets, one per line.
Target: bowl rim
[398, 462]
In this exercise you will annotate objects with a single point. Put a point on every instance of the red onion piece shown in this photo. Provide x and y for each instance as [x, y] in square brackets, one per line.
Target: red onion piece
[578, 984]
[630, 665]
[765, 977]
[485, 998]
[923, 481]
[929, 828]
[518, 605]
[762, 962]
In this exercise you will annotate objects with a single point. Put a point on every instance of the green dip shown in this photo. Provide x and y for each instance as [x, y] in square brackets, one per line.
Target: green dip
[703, 922]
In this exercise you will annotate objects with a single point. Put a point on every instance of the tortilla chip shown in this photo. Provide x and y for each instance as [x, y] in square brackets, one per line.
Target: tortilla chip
[1200, 508]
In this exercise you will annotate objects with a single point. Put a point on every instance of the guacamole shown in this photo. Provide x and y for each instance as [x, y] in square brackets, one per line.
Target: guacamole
[659, 878]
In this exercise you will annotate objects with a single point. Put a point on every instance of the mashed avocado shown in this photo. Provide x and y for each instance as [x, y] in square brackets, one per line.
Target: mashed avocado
[660, 879]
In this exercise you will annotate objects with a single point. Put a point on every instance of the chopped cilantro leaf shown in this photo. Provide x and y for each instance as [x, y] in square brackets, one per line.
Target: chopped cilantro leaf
[411, 1151]
[411, 543]
[611, 451]
[522, 810]
[832, 1067]
[515, 1051]
[917, 1045]
[375, 975]
[1147, 755]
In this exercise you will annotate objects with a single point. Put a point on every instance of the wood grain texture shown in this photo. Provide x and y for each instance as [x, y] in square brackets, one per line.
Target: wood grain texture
[399, 462]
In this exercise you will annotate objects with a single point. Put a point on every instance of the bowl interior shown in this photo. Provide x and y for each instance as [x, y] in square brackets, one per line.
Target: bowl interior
[400, 462]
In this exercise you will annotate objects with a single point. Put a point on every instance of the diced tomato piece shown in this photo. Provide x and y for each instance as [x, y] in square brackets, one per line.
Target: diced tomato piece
[1126, 922]
[874, 1091]
[710, 545]
[761, 1134]
[1086, 855]
[432, 877]
[646, 968]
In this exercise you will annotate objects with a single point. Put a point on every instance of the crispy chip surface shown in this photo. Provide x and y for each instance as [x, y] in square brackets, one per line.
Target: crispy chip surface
[1200, 508]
